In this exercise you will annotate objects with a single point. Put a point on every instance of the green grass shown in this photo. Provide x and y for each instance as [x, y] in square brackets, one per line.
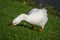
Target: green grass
[10, 9]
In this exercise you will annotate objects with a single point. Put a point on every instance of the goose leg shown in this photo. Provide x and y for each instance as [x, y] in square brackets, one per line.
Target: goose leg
[32, 28]
[41, 29]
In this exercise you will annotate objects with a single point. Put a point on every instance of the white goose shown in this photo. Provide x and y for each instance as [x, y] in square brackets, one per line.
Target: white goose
[35, 17]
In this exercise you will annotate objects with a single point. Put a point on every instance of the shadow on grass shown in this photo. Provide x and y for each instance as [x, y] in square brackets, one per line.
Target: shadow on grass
[26, 25]
[29, 26]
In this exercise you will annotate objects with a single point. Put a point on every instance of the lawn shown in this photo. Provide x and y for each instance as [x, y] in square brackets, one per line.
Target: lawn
[10, 9]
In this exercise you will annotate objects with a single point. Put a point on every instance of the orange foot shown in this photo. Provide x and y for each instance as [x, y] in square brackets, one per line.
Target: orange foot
[41, 29]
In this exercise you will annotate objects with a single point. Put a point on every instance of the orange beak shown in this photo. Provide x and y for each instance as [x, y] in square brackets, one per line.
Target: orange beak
[10, 24]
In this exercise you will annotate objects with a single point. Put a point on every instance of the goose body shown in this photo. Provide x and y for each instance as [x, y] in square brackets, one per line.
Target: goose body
[35, 17]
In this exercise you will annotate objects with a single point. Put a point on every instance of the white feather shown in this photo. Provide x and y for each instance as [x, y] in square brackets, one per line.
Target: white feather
[35, 17]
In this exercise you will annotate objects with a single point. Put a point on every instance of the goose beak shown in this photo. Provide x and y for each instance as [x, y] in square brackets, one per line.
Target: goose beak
[11, 24]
